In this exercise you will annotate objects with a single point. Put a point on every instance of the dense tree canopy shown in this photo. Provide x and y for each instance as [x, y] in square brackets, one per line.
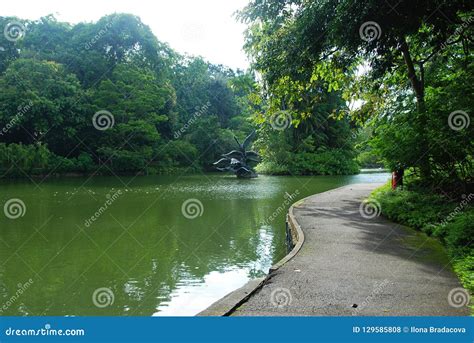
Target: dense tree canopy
[408, 63]
[110, 96]
[57, 110]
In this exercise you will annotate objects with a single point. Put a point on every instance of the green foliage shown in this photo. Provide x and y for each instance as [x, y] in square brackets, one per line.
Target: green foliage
[367, 156]
[41, 97]
[272, 168]
[170, 112]
[415, 209]
[458, 233]
[451, 221]
[398, 138]
[464, 268]
[16, 157]
[18, 160]
[331, 162]
[368, 159]
[85, 162]
[407, 77]
[308, 149]
[177, 154]
[329, 32]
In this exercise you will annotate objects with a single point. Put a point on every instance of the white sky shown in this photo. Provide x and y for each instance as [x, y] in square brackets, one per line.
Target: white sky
[204, 28]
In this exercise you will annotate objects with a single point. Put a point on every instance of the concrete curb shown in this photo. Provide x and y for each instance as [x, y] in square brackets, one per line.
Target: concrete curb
[297, 236]
[228, 304]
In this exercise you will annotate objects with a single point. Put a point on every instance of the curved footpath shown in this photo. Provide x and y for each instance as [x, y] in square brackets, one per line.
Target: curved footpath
[345, 264]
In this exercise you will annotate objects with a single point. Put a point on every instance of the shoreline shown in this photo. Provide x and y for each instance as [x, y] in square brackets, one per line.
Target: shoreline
[350, 265]
[229, 303]
[77, 174]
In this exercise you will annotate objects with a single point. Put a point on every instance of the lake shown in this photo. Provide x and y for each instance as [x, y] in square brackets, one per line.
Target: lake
[147, 245]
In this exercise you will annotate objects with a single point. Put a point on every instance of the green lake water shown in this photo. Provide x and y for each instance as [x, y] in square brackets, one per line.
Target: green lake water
[128, 246]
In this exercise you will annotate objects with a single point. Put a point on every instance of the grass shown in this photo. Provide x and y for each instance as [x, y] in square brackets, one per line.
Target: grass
[451, 222]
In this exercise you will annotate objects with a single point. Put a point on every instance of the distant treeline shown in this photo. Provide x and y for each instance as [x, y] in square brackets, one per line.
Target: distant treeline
[110, 97]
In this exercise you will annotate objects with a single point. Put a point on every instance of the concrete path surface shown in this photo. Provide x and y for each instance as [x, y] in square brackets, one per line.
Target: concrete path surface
[351, 264]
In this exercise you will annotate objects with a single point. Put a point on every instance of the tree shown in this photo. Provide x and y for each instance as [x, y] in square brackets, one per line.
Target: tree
[397, 43]
[318, 30]
[42, 103]
[141, 109]
[59, 80]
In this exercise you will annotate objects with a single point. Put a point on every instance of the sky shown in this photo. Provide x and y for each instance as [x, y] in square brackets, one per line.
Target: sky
[204, 28]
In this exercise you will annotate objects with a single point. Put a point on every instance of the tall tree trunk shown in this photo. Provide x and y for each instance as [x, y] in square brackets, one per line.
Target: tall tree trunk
[417, 84]
[418, 87]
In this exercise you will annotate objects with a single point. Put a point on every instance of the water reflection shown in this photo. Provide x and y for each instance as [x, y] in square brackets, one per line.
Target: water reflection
[192, 297]
[154, 260]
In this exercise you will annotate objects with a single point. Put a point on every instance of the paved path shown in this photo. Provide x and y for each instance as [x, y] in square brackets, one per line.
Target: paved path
[351, 265]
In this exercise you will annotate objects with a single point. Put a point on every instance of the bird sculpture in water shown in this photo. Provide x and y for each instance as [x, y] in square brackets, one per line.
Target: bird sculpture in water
[240, 161]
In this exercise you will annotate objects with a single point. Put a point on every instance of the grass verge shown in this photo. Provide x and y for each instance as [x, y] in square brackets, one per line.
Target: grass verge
[452, 222]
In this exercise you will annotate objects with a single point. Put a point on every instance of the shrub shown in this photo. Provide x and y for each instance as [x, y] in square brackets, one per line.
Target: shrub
[272, 168]
[330, 162]
[428, 213]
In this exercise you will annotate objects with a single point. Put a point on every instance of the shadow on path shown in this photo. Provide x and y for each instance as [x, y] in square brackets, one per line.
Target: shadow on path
[354, 265]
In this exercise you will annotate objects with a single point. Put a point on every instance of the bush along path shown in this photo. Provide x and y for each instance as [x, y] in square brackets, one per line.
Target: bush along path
[355, 262]
[450, 220]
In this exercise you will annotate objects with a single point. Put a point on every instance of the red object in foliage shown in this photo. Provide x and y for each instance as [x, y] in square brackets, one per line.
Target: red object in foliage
[394, 180]
[397, 178]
